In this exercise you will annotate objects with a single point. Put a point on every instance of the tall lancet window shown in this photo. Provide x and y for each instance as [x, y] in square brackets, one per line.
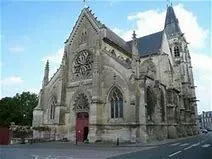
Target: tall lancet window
[116, 102]
[176, 51]
[52, 107]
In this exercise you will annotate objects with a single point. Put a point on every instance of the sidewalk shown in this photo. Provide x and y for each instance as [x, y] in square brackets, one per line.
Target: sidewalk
[58, 144]
[158, 143]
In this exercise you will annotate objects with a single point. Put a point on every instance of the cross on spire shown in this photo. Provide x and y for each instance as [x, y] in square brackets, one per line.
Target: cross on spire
[169, 3]
[134, 35]
[85, 3]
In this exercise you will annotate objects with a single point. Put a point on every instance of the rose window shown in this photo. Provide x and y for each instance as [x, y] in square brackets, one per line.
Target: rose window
[83, 64]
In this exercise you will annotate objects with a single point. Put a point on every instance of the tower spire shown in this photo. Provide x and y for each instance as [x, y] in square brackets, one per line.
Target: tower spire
[171, 25]
[46, 74]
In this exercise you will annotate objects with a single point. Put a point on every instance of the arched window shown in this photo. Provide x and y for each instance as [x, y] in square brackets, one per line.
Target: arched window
[116, 103]
[169, 96]
[52, 108]
[150, 101]
[162, 105]
[176, 51]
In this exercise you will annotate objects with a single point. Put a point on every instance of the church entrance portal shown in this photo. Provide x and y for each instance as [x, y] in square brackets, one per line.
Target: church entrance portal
[82, 126]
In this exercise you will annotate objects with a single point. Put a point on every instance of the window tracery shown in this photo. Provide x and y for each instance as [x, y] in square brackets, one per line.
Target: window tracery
[52, 107]
[81, 103]
[162, 105]
[82, 64]
[176, 51]
[116, 103]
[151, 101]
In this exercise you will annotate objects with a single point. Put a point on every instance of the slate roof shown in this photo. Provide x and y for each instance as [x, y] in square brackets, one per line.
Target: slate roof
[171, 22]
[149, 45]
[113, 37]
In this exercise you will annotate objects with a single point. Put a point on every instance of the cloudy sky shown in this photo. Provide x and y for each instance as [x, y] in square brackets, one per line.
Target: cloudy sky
[34, 31]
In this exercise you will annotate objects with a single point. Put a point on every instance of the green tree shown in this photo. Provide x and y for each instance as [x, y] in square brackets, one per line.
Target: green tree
[18, 109]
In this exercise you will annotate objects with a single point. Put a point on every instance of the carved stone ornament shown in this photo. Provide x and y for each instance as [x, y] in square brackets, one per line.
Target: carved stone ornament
[81, 103]
[82, 64]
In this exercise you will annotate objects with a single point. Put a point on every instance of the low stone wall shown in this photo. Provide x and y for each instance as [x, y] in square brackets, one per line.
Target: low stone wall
[156, 132]
[112, 133]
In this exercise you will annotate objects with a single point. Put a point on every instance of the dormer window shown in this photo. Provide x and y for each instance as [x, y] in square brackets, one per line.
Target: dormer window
[176, 51]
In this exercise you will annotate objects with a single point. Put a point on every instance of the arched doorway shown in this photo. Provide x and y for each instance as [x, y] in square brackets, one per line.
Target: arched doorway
[82, 123]
[81, 107]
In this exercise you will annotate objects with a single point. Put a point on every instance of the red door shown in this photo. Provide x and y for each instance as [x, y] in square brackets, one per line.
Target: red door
[82, 126]
[4, 136]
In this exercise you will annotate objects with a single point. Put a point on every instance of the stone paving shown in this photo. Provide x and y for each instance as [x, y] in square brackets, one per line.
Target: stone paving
[66, 150]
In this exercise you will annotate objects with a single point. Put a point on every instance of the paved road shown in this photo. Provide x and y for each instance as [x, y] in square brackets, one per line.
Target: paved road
[199, 147]
[193, 148]
[64, 151]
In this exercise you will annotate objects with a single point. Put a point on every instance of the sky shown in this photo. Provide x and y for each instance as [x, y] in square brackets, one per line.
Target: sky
[33, 31]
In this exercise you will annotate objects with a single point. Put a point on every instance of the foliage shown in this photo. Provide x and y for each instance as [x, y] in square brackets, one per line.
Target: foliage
[21, 131]
[18, 109]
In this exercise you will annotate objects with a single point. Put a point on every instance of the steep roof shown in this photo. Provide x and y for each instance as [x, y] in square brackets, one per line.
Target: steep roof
[114, 38]
[171, 23]
[88, 13]
[148, 45]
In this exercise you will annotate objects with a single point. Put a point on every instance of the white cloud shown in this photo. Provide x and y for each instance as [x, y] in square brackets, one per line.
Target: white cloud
[117, 30]
[13, 80]
[33, 90]
[202, 67]
[147, 22]
[55, 60]
[201, 61]
[16, 49]
[152, 21]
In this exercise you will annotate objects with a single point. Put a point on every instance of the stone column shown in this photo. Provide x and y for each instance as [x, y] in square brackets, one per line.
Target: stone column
[92, 135]
[95, 110]
[140, 110]
[37, 121]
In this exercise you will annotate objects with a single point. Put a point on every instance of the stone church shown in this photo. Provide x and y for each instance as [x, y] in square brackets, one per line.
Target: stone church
[107, 88]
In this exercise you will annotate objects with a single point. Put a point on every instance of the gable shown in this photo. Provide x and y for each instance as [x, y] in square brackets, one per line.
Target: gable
[86, 18]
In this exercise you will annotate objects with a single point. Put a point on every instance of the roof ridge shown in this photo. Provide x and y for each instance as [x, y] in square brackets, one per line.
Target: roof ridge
[148, 35]
[98, 22]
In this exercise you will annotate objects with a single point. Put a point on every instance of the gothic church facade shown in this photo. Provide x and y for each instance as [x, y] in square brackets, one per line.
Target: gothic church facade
[107, 88]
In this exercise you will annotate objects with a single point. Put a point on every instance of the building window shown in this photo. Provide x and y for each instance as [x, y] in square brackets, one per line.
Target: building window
[151, 102]
[52, 108]
[162, 105]
[116, 103]
[176, 51]
[169, 97]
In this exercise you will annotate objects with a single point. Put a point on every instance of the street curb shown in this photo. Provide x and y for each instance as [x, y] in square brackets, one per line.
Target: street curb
[162, 142]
